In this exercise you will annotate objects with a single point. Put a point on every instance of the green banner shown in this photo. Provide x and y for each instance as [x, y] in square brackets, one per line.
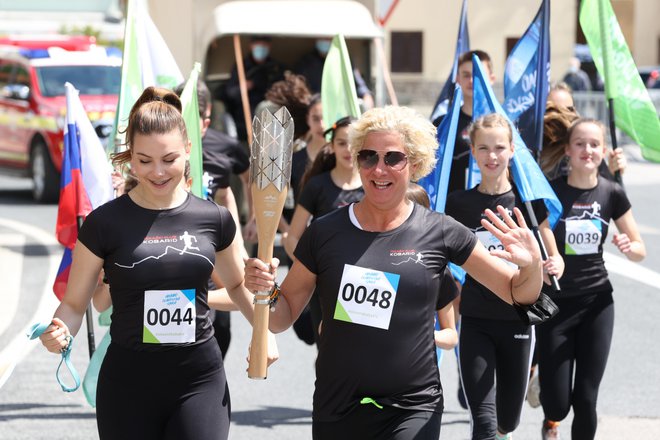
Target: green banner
[193, 127]
[633, 109]
[338, 85]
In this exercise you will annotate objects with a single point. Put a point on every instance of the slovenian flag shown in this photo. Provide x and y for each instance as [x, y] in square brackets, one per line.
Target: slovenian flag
[85, 182]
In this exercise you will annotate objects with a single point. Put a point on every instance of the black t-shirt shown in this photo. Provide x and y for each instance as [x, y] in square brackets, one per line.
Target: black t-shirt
[222, 155]
[582, 230]
[146, 251]
[468, 207]
[461, 156]
[321, 196]
[448, 289]
[300, 162]
[379, 293]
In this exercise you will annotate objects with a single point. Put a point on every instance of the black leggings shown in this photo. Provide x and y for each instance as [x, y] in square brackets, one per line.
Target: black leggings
[175, 394]
[573, 351]
[389, 423]
[491, 350]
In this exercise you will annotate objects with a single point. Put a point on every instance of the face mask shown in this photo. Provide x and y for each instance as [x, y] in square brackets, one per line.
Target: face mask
[323, 46]
[260, 52]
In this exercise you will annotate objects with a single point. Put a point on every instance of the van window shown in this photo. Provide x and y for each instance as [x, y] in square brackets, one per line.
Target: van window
[89, 80]
[5, 72]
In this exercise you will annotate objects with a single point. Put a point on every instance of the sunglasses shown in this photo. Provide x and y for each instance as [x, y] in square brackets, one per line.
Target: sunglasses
[394, 159]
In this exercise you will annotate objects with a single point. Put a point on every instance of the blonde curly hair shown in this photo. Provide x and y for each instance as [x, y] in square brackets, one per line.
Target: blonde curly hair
[418, 135]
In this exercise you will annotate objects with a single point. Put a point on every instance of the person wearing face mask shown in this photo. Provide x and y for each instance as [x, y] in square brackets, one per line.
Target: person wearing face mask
[311, 67]
[261, 71]
[576, 78]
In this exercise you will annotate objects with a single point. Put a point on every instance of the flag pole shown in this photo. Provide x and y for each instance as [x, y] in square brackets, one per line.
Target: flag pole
[242, 82]
[537, 234]
[386, 71]
[541, 76]
[610, 101]
[89, 320]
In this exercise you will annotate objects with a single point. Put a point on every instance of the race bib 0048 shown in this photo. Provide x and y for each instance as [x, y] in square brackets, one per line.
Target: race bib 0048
[582, 237]
[169, 316]
[366, 296]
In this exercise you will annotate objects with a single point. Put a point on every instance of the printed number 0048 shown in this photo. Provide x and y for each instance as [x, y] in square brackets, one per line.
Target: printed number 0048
[164, 317]
[359, 295]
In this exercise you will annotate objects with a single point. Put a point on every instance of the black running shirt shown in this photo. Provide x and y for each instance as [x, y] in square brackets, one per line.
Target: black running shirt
[158, 264]
[468, 207]
[582, 231]
[379, 293]
[321, 196]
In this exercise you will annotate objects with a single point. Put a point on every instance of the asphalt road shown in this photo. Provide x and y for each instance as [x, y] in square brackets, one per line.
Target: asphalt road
[33, 407]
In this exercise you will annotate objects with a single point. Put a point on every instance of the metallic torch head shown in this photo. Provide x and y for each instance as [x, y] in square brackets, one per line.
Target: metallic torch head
[271, 149]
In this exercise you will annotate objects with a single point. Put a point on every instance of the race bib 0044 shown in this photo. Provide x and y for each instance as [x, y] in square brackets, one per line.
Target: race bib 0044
[582, 237]
[169, 316]
[366, 296]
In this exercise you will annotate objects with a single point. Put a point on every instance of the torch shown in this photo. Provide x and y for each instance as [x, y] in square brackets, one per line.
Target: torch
[270, 172]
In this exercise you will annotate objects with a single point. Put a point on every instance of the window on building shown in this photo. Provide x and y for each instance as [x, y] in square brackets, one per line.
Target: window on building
[406, 52]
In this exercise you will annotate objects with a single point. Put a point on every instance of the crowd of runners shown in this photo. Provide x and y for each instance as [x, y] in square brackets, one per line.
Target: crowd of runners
[367, 274]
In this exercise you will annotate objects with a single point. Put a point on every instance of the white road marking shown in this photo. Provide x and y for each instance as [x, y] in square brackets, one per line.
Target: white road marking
[624, 267]
[11, 270]
[20, 345]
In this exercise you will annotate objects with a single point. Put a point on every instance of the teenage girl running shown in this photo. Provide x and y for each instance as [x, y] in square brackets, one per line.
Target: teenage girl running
[494, 344]
[575, 344]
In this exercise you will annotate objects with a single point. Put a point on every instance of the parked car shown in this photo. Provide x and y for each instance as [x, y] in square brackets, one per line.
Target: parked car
[33, 105]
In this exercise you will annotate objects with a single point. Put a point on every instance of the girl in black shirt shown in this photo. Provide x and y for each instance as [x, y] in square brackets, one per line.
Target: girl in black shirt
[575, 344]
[158, 245]
[493, 342]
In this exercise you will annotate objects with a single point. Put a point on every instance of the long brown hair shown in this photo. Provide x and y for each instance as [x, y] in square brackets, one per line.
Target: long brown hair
[325, 160]
[155, 111]
[556, 122]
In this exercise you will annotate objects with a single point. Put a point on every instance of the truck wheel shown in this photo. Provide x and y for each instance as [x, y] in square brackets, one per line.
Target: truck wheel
[45, 178]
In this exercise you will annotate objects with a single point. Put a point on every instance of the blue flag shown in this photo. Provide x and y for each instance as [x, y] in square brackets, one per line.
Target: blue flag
[526, 74]
[437, 181]
[527, 176]
[462, 46]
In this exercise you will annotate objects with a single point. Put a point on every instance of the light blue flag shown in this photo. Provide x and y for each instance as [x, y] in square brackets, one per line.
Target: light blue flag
[462, 45]
[527, 176]
[526, 82]
[436, 183]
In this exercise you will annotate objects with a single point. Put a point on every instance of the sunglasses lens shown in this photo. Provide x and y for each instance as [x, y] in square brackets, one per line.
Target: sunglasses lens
[367, 158]
[395, 160]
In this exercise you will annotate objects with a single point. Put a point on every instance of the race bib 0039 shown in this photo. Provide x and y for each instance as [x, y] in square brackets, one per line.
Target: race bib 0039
[582, 237]
[366, 296]
[169, 316]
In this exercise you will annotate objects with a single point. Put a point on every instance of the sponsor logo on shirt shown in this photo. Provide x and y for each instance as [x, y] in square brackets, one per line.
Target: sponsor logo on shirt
[156, 239]
[521, 336]
[407, 256]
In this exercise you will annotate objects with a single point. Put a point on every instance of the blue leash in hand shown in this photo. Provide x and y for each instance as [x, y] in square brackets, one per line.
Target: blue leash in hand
[37, 330]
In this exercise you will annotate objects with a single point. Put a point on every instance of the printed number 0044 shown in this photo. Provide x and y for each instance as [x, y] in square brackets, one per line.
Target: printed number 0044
[359, 295]
[164, 317]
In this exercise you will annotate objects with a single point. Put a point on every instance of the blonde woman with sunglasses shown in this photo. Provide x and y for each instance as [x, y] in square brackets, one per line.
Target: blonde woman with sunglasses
[376, 267]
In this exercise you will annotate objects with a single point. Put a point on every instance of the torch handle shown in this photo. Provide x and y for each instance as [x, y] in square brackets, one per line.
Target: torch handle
[268, 204]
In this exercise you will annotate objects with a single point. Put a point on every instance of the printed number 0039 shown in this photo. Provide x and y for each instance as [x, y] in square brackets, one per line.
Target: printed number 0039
[580, 238]
[359, 295]
[164, 317]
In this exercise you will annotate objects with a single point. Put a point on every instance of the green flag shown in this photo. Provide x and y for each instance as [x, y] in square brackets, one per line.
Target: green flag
[193, 127]
[633, 109]
[338, 85]
[146, 61]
